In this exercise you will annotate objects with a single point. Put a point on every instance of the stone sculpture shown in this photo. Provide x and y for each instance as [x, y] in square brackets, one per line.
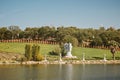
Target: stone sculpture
[68, 49]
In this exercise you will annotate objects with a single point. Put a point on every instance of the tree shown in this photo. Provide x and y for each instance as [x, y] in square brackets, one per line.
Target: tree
[5, 34]
[80, 36]
[28, 52]
[28, 33]
[111, 29]
[36, 53]
[101, 29]
[113, 47]
[70, 39]
[2, 33]
[97, 41]
[15, 31]
[45, 32]
[113, 50]
[22, 34]
[34, 33]
[32, 52]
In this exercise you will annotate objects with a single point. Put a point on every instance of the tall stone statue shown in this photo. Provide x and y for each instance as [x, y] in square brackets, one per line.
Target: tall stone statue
[68, 49]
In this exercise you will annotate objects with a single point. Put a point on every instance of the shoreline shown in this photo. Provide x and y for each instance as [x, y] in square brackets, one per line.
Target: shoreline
[64, 62]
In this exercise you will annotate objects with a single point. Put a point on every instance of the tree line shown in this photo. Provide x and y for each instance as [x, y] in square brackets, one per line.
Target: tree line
[77, 36]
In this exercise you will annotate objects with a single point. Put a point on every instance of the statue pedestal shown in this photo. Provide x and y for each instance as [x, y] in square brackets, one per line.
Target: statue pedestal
[69, 55]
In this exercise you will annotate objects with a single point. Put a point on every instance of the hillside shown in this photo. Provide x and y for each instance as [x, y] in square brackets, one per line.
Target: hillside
[90, 53]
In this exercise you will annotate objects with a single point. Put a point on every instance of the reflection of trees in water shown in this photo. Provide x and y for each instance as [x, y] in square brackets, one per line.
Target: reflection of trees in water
[27, 71]
[35, 72]
[60, 72]
[44, 73]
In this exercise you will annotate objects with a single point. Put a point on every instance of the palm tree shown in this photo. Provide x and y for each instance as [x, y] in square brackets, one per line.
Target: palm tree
[113, 50]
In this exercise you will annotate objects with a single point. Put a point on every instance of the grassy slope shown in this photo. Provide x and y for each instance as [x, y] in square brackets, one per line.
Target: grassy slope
[19, 47]
[90, 53]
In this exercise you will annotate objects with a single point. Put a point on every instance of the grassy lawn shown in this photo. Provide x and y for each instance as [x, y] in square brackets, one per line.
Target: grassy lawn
[20, 47]
[90, 53]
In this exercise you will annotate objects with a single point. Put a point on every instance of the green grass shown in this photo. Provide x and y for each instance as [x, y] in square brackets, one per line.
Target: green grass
[90, 53]
[12, 47]
[20, 47]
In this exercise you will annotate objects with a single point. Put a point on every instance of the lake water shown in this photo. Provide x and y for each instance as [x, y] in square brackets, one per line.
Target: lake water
[60, 72]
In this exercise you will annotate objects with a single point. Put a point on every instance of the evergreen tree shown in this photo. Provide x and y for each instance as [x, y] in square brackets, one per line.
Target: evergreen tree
[28, 52]
[36, 53]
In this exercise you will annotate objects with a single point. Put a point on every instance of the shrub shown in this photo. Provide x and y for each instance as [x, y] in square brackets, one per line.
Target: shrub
[39, 57]
[56, 51]
[28, 51]
[33, 52]
[63, 52]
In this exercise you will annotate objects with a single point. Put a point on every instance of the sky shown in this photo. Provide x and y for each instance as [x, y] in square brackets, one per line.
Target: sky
[78, 13]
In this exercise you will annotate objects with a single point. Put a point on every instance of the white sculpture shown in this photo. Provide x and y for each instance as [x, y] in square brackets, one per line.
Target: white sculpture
[68, 49]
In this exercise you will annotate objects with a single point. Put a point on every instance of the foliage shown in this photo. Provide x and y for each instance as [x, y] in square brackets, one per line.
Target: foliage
[15, 30]
[62, 34]
[70, 39]
[28, 52]
[113, 43]
[32, 52]
[4, 33]
[35, 51]
[56, 51]
[63, 52]
[23, 59]
[39, 57]
[96, 42]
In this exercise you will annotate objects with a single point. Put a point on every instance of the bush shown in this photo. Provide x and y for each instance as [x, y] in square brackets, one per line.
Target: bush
[39, 57]
[33, 52]
[62, 49]
[56, 51]
[28, 51]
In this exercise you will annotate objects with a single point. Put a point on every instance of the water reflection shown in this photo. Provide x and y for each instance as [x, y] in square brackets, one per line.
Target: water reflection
[60, 72]
[83, 72]
[69, 71]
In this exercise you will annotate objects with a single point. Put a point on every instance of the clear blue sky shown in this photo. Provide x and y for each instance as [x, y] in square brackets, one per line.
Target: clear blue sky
[79, 13]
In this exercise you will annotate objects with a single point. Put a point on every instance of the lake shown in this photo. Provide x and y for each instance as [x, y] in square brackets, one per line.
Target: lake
[60, 72]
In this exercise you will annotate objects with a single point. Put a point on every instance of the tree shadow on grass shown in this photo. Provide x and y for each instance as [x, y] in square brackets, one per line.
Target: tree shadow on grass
[97, 58]
[117, 58]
